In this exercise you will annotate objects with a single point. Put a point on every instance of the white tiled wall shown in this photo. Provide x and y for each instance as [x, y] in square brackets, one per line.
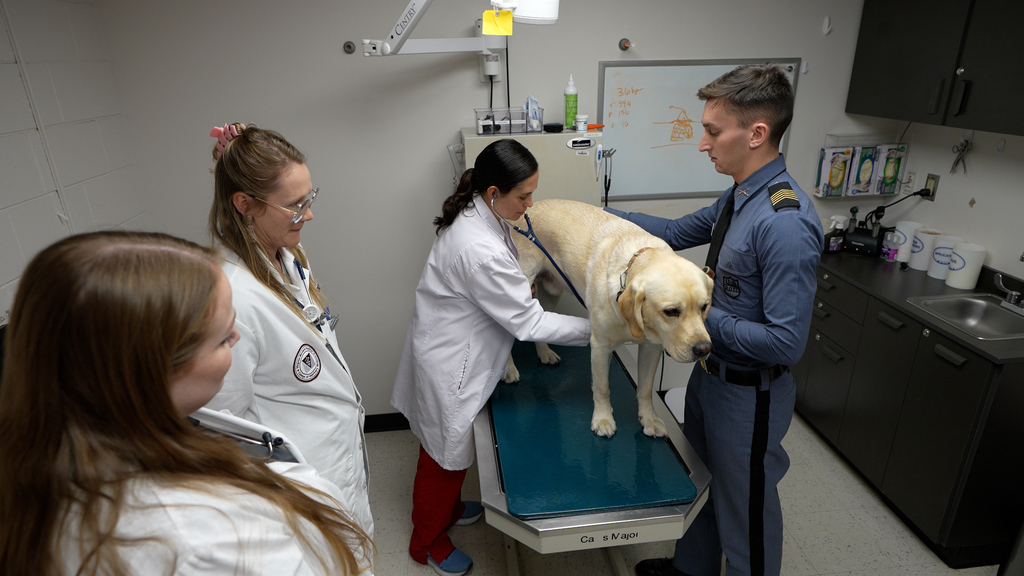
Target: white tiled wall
[68, 167]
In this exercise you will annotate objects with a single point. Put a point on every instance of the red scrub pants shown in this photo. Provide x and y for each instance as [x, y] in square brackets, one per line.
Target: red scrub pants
[436, 506]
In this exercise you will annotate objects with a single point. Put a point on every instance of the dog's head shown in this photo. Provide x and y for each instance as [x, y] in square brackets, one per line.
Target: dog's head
[666, 302]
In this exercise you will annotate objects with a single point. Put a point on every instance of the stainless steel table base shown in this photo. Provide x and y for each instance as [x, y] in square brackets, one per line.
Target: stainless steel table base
[608, 530]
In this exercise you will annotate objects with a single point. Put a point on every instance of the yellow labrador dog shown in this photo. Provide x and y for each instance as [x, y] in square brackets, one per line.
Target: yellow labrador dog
[636, 290]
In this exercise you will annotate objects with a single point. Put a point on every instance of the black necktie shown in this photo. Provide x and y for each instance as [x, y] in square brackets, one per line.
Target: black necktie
[718, 234]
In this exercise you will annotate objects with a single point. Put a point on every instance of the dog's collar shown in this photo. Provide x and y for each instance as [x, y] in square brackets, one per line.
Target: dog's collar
[625, 273]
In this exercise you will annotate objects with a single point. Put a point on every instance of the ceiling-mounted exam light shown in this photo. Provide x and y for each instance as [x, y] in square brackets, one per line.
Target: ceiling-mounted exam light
[530, 11]
[523, 11]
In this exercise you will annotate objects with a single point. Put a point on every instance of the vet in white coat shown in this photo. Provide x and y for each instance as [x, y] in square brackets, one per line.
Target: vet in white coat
[210, 529]
[294, 379]
[472, 302]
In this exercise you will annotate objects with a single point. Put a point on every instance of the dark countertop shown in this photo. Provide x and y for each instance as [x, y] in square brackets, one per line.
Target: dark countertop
[885, 281]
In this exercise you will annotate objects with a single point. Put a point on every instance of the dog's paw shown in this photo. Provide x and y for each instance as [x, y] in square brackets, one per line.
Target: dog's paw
[654, 427]
[603, 426]
[549, 357]
[511, 375]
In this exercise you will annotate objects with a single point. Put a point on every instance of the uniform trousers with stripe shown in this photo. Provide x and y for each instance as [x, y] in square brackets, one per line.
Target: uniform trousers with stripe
[737, 431]
[436, 506]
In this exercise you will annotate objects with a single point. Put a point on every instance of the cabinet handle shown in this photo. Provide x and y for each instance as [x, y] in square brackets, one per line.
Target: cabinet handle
[949, 356]
[890, 320]
[959, 96]
[820, 313]
[832, 354]
[933, 102]
[825, 285]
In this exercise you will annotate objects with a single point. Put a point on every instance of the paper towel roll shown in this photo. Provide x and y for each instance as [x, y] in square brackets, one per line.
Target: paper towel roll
[921, 249]
[905, 236]
[965, 265]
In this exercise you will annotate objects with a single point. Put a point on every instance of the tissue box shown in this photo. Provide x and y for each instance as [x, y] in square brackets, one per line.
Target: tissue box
[501, 120]
[889, 168]
[862, 172]
[832, 172]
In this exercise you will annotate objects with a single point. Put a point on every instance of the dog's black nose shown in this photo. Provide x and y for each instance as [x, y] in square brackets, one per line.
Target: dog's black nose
[702, 349]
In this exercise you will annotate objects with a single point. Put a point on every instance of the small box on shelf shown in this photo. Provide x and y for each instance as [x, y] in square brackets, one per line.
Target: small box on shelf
[500, 120]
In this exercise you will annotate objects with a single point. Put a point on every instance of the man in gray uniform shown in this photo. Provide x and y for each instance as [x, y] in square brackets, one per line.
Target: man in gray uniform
[766, 240]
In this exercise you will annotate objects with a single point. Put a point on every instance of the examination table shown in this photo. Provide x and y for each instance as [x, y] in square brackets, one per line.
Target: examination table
[547, 481]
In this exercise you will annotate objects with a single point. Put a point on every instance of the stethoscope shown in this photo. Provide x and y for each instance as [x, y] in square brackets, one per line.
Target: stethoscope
[314, 315]
[317, 317]
[528, 233]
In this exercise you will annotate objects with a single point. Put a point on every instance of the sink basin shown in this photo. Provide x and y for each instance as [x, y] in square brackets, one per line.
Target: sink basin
[980, 315]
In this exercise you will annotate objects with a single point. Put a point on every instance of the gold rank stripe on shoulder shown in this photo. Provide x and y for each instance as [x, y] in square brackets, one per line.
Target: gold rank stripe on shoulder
[783, 196]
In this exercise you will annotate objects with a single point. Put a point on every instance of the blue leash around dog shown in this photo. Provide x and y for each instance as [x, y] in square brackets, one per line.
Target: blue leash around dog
[528, 233]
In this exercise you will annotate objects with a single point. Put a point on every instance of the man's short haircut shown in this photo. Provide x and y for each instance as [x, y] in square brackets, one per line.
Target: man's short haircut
[755, 92]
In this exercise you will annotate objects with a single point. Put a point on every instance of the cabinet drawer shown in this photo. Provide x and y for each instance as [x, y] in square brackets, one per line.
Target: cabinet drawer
[842, 295]
[839, 327]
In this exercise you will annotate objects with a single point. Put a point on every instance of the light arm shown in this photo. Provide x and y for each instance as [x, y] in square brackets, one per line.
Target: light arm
[398, 42]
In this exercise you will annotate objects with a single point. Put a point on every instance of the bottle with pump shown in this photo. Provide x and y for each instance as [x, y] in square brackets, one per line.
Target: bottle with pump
[570, 103]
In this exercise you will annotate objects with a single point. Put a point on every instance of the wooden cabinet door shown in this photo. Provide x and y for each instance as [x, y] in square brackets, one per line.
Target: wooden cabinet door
[906, 58]
[828, 381]
[887, 347]
[988, 86]
[940, 413]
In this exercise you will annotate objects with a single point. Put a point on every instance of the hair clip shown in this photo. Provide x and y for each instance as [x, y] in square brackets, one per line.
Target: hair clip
[224, 134]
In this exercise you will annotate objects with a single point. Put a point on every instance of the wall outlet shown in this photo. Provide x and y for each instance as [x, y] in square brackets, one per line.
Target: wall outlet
[931, 183]
[909, 182]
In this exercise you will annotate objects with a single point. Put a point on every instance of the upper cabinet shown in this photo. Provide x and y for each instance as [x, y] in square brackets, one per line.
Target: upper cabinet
[945, 62]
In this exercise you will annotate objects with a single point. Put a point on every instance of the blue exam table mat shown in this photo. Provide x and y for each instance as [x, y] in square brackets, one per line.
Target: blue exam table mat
[552, 464]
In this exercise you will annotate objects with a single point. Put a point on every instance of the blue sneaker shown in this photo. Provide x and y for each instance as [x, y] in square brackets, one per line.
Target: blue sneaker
[456, 564]
[474, 510]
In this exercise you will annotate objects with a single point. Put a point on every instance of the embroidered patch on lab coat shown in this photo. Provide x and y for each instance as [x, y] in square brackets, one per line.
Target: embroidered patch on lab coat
[306, 366]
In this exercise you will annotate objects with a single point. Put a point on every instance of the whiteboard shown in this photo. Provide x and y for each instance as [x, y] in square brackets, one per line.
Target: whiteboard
[651, 116]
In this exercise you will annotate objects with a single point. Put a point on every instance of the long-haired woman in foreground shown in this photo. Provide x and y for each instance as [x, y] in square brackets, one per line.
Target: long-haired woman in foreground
[114, 338]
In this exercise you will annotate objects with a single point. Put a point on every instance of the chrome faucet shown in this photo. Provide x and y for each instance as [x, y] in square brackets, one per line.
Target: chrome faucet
[1012, 296]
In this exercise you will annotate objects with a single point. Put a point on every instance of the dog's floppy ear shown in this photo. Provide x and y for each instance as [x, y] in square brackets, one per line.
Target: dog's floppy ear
[631, 305]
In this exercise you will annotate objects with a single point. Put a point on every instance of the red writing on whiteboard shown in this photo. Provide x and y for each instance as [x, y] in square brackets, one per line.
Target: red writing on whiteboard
[630, 91]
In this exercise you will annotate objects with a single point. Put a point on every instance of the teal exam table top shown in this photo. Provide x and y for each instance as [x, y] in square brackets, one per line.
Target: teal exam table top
[548, 481]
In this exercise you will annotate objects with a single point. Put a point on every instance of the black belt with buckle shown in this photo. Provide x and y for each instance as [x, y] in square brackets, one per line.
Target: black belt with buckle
[750, 377]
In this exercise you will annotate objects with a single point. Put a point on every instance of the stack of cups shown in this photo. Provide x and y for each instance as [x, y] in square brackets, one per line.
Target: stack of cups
[905, 238]
[921, 251]
[965, 265]
[941, 254]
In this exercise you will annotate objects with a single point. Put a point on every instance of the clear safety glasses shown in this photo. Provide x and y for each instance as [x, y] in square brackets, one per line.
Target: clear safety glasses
[300, 208]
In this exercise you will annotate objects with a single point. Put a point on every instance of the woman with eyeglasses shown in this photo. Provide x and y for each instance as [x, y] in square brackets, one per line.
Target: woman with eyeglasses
[115, 338]
[288, 372]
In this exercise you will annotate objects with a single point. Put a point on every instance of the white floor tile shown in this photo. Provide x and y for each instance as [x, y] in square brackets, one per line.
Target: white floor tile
[835, 524]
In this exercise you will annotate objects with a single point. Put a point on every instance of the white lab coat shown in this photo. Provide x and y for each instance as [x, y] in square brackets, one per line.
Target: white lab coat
[211, 529]
[284, 376]
[472, 302]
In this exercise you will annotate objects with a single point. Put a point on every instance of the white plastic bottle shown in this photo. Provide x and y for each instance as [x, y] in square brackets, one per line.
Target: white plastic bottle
[570, 103]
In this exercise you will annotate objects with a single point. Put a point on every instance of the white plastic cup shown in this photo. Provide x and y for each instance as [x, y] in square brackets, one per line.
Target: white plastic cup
[905, 238]
[941, 254]
[921, 249]
[965, 265]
